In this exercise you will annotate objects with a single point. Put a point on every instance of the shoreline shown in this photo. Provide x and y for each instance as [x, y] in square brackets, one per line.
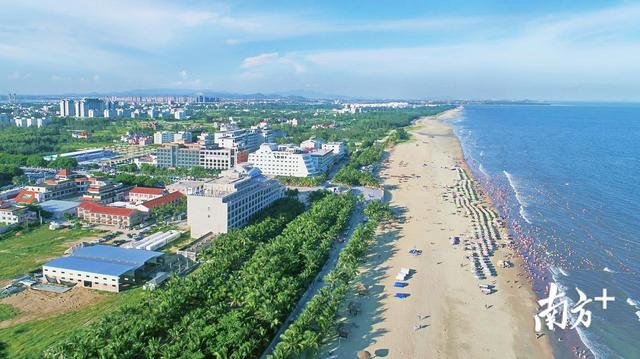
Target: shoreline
[565, 344]
[452, 313]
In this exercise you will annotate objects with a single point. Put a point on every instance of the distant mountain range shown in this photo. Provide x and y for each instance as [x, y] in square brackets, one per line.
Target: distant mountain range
[294, 94]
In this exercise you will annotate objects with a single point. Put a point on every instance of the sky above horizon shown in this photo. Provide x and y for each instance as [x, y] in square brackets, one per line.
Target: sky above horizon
[547, 50]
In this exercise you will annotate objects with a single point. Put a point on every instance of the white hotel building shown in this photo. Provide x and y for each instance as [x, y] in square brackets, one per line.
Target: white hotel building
[283, 160]
[230, 200]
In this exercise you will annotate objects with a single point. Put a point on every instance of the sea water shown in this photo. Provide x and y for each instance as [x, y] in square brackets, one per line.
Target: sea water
[566, 177]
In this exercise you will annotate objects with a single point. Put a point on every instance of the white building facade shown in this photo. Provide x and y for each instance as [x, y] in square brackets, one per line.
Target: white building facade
[274, 160]
[230, 200]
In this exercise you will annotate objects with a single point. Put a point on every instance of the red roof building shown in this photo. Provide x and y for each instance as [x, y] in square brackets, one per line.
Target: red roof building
[113, 216]
[144, 194]
[172, 197]
[27, 197]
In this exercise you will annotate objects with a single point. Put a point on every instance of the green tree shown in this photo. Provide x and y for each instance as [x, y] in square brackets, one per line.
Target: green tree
[64, 163]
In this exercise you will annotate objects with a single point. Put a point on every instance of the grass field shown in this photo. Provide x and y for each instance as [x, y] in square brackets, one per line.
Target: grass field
[7, 312]
[23, 251]
[30, 339]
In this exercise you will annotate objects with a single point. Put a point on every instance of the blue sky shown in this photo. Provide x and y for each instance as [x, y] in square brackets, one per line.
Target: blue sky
[558, 50]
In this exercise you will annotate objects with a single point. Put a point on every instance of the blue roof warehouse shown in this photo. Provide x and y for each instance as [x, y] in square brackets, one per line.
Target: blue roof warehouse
[103, 267]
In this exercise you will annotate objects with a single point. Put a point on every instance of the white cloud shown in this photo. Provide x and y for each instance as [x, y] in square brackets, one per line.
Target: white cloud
[17, 75]
[272, 61]
[183, 75]
[259, 60]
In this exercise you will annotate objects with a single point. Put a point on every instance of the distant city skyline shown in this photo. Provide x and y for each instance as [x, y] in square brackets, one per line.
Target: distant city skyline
[558, 50]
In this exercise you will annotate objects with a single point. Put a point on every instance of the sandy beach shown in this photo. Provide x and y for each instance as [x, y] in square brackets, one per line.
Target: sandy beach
[446, 315]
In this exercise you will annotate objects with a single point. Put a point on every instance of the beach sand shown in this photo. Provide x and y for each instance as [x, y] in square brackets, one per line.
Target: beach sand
[457, 319]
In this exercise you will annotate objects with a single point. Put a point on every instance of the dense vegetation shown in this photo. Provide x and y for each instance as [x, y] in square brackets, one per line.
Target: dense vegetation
[302, 181]
[232, 304]
[360, 128]
[359, 170]
[56, 137]
[265, 290]
[8, 172]
[317, 320]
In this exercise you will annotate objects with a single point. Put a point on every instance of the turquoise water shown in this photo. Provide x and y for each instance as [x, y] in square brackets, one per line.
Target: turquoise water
[565, 176]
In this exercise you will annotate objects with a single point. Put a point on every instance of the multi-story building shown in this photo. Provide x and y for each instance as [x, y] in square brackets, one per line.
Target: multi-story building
[162, 137]
[50, 189]
[143, 194]
[176, 155]
[105, 192]
[322, 159]
[214, 157]
[338, 148]
[312, 143]
[205, 139]
[209, 157]
[240, 139]
[67, 108]
[10, 214]
[83, 106]
[95, 213]
[283, 160]
[230, 200]
[183, 137]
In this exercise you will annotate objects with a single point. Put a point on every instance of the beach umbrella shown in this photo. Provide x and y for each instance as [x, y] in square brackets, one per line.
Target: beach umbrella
[364, 355]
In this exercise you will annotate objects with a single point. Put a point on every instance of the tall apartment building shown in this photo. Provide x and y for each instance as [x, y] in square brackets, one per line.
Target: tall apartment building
[82, 107]
[161, 137]
[230, 200]
[67, 108]
[283, 160]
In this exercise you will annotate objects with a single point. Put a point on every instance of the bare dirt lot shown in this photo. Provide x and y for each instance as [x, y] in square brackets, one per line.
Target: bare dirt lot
[34, 304]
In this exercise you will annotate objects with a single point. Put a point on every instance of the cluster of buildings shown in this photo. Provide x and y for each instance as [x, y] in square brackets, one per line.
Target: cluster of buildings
[96, 107]
[93, 200]
[221, 150]
[24, 116]
[352, 108]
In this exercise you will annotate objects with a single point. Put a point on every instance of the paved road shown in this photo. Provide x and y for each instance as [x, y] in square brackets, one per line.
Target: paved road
[356, 218]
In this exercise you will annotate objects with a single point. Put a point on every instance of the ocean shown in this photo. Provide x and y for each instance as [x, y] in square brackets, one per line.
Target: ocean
[565, 177]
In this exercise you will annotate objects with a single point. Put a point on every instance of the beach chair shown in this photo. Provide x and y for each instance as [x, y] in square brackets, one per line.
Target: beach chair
[401, 295]
[405, 271]
[400, 284]
[401, 276]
